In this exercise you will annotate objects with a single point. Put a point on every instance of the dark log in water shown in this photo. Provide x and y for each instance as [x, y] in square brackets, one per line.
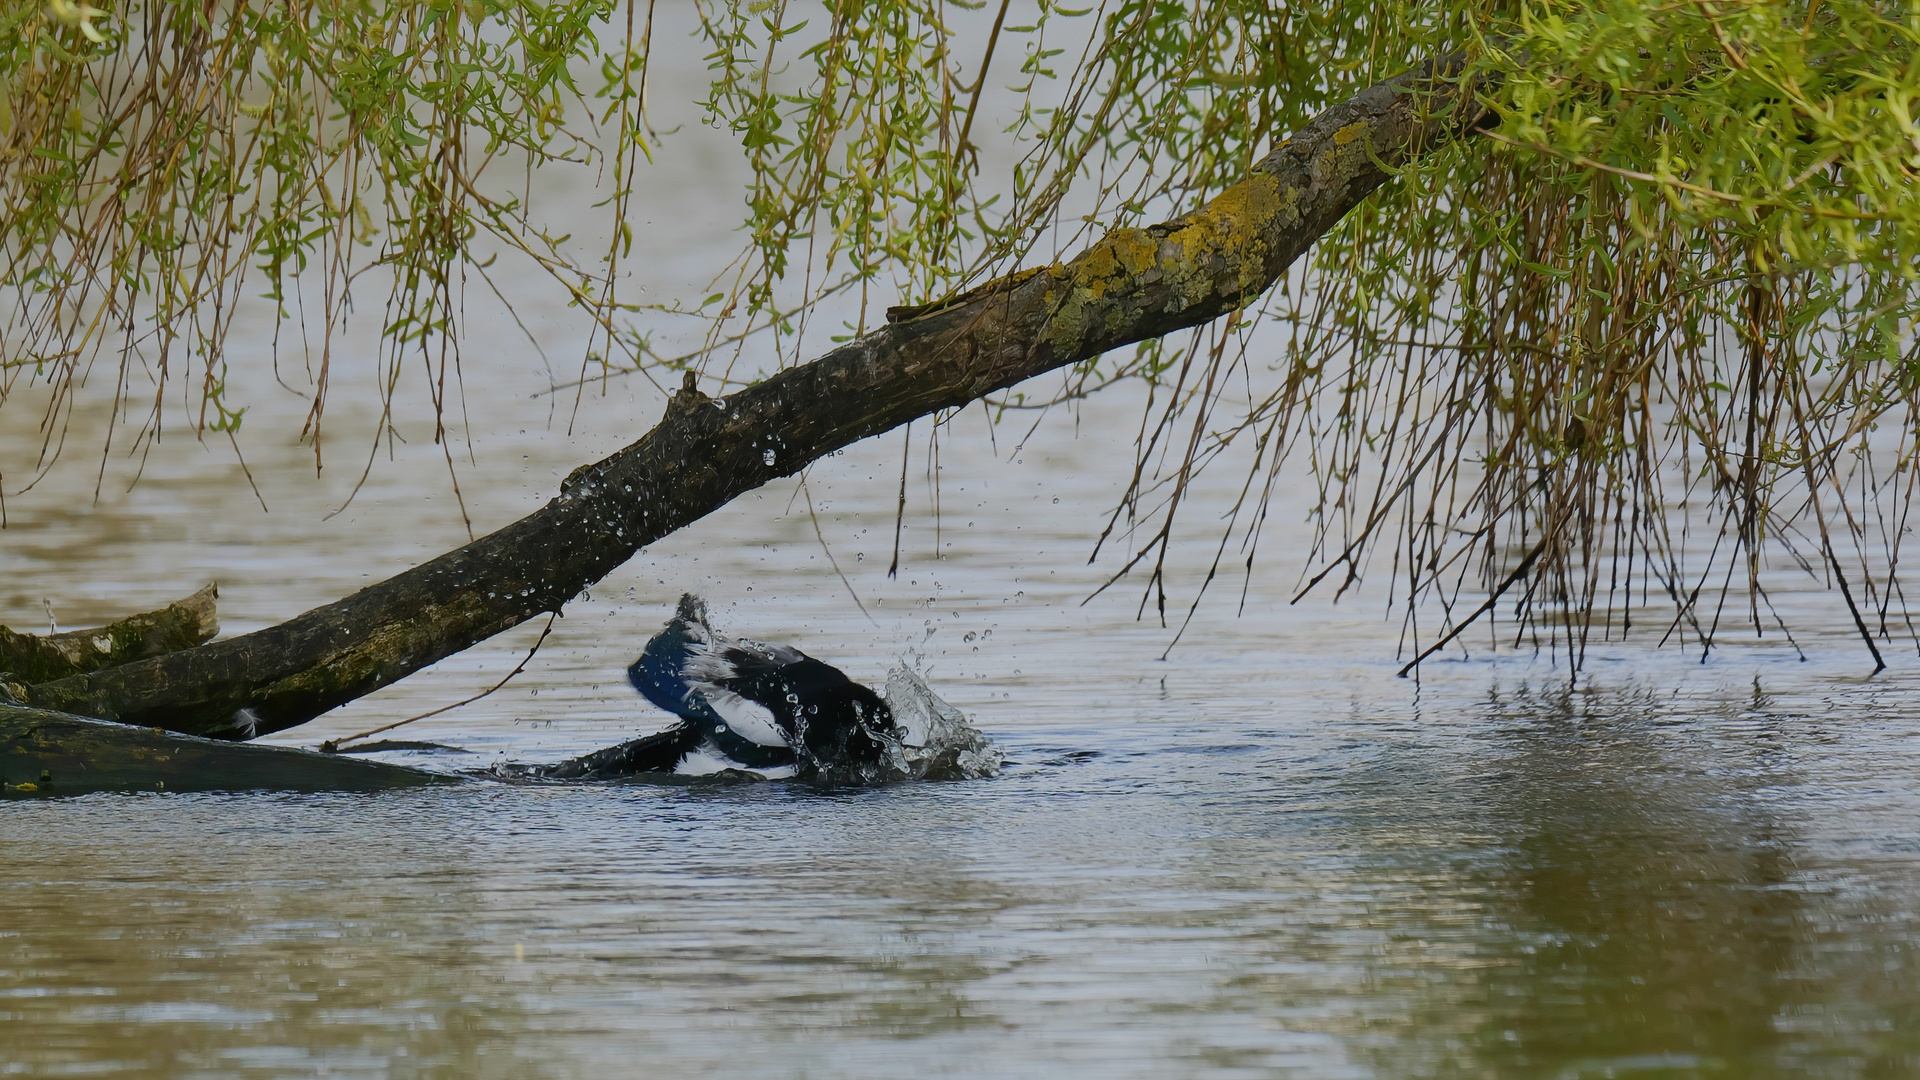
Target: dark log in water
[26, 659]
[46, 753]
[1131, 285]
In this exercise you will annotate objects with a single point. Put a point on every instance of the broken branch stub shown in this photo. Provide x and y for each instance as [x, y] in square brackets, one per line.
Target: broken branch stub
[26, 659]
[1131, 285]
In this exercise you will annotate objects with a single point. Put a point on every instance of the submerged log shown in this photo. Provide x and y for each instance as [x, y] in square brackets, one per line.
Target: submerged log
[26, 659]
[1131, 285]
[46, 753]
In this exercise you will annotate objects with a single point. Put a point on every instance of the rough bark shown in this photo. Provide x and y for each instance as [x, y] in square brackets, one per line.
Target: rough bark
[48, 753]
[26, 659]
[1131, 285]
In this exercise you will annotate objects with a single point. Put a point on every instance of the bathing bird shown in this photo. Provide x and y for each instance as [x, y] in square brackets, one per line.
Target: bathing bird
[747, 706]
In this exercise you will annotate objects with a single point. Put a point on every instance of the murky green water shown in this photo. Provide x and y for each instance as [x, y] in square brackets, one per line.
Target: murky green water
[1263, 856]
[1534, 886]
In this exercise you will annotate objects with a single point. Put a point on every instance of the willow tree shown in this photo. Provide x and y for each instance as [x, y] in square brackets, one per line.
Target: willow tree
[1662, 291]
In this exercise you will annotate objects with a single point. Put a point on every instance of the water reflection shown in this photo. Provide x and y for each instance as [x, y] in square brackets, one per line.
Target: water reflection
[1651, 892]
[247, 936]
[1655, 908]
[1543, 883]
[1588, 884]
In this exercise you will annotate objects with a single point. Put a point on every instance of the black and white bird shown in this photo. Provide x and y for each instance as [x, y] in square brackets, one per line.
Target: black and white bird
[748, 706]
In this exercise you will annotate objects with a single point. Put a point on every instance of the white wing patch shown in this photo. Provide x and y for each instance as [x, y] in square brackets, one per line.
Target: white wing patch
[707, 662]
[708, 760]
[750, 720]
[703, 762]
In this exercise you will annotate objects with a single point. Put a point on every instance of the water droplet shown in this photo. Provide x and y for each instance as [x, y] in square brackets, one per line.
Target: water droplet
[767, 457]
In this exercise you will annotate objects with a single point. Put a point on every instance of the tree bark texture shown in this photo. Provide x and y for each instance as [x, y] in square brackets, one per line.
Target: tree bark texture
[26, 659]
[1131, 285]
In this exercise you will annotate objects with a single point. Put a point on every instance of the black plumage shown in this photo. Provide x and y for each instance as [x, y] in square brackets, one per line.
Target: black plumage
[748, 706]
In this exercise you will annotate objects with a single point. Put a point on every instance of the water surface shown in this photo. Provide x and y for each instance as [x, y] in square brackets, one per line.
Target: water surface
[1262, 856]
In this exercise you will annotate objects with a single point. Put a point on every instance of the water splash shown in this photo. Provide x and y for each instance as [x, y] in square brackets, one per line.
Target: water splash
[939, 742]
[935, 742]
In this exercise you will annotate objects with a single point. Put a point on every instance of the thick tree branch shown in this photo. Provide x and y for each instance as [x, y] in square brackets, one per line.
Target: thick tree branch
[1131, 285]
[48, 753]
[33, 658]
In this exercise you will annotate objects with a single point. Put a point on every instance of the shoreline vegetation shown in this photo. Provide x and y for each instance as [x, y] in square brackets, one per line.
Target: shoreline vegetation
[1134, 284]
[1667, 300]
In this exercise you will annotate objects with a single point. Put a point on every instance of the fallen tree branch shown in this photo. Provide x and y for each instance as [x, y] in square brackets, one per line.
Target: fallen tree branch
[1132, 285]
[48, 753]
[26, 659]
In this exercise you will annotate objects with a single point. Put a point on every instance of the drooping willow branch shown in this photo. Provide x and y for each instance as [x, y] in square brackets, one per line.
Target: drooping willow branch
[1132, 285]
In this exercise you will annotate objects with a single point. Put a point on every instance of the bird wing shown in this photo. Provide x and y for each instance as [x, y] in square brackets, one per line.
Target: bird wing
[752, 672]
[746, 718]
[777, 655]
[723, 660]
[683, 666]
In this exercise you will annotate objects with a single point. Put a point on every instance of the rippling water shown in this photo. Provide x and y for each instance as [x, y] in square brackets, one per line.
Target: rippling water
[1261, 856]
[1536, 886]
[1264, 856]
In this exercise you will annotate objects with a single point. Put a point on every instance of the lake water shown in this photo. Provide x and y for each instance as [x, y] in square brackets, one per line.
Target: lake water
[1263, 856]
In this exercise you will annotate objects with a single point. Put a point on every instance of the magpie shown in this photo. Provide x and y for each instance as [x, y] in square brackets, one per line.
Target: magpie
[746, 706]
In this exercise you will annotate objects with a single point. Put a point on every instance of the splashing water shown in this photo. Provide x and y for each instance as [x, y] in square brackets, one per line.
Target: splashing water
[939, 743]
[936, 743]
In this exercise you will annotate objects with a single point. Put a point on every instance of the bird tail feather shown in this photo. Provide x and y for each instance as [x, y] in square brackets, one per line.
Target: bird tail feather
[660, 674]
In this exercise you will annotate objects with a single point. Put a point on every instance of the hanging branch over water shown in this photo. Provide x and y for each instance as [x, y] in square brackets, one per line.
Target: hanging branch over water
[1132, 285]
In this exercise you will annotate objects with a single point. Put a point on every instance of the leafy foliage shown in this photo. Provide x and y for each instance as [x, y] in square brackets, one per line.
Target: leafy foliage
[1652, 330]
[156, 161]
[1659, 341]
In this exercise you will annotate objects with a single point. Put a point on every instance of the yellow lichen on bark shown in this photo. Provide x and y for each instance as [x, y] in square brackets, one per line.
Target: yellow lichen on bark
[1350, 150]
[1225, 241]
[1068, 322]
[1219, 249]
[1349, 133]
[1114, 263]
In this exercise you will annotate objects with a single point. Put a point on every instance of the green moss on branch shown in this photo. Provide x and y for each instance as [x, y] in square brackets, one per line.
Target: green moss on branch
[1132, 285]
